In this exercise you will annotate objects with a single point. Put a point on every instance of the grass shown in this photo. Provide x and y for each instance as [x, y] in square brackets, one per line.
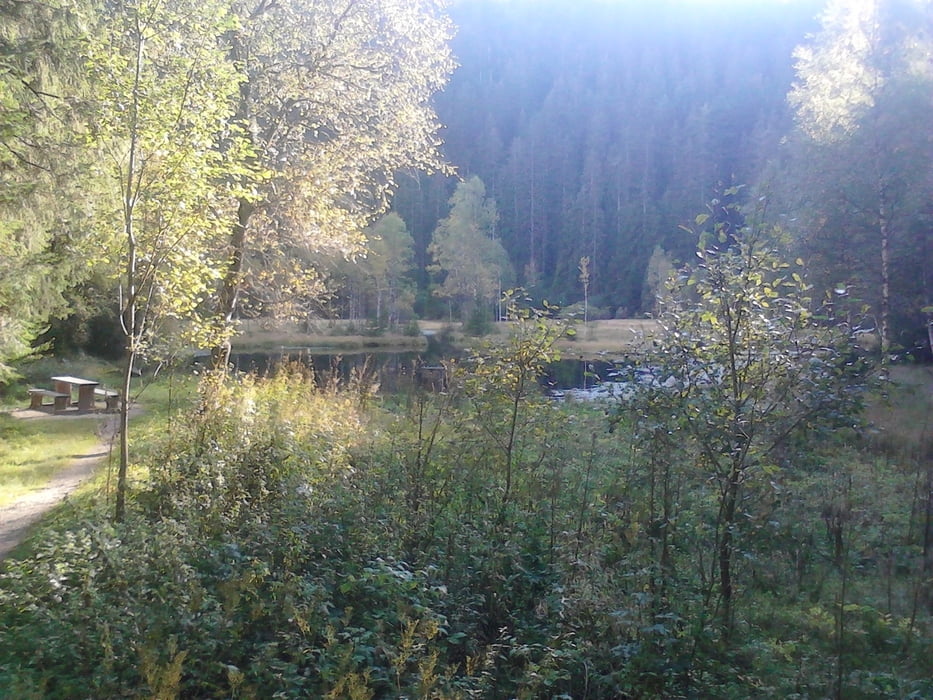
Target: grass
[617, 336]
[33, 451]
[904, 419]
[596, 338]
[326, 335]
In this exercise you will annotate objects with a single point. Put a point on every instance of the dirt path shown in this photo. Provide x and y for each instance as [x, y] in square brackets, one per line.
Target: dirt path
[16, 518]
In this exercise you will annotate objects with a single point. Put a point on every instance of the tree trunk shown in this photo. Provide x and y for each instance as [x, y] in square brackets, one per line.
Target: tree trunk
[120, 507]
[930, 335]
[230, 288]
[927, 568]
[229, 293]
[727, 523]
[884, 230]
[129, 317]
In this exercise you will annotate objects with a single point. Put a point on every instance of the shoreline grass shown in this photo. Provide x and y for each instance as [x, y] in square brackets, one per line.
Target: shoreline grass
[325, 337]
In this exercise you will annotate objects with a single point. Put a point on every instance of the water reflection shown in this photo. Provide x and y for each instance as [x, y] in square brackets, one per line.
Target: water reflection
[397, 372]
[577, 374]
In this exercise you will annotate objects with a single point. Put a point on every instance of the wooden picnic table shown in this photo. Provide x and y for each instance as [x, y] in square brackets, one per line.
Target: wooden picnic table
[85, 389]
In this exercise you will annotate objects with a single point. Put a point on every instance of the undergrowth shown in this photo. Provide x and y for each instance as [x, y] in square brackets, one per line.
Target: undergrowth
[293, 541]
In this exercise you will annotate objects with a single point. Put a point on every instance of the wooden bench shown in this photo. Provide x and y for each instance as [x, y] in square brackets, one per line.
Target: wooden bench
[60, 401]
[111, 398]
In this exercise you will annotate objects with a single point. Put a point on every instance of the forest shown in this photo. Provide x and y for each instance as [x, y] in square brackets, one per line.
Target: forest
[591, 130]
[745, 512]
[599, 129]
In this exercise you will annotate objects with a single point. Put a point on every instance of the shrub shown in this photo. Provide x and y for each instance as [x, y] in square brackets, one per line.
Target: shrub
[412, 329]
[479, 322]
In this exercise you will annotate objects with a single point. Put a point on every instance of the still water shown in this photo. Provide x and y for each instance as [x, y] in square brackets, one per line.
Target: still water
[400, 371]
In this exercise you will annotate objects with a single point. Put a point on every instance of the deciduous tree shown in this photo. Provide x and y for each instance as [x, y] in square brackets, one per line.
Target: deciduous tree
[465, 249]
[376, 284]
[162, 92]
[740, 368]
[863, 110]
[388, 263]
[334, 99]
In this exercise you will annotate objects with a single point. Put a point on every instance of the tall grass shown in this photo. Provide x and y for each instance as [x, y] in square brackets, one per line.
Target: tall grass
[902, 416]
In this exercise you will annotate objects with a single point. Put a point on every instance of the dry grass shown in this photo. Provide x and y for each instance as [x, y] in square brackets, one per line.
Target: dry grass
[324, 335]
[616, 337]
[596, 338]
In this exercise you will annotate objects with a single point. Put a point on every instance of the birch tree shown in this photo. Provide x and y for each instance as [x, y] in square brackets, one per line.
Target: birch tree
[863, 110]
[742, 367]
[472, 261]
[163, 91]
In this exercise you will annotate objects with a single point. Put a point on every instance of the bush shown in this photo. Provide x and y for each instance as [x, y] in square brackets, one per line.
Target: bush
[484, 542]
[412, 329]
[479, 322]
[244, 570]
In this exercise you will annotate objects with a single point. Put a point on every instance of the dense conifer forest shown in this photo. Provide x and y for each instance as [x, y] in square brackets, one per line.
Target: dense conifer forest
[600, 128]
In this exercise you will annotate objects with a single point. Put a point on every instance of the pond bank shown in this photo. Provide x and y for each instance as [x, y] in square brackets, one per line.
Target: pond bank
[615, 338]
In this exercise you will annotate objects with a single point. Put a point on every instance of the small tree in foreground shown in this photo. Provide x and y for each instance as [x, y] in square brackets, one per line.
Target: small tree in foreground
[503, 380]
[743, 367]
[161, 93]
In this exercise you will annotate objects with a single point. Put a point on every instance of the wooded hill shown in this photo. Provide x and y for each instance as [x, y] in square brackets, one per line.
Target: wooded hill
[162, 174]
[600, 128]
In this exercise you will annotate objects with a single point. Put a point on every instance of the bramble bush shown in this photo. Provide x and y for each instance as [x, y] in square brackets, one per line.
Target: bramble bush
[229, 578]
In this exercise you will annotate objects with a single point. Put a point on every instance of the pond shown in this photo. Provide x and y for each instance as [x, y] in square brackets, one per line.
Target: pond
[393, 371]
[582, 379]
[397, 372]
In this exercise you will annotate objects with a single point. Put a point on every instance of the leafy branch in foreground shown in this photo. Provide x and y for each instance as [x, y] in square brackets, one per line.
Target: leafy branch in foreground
[743, 370]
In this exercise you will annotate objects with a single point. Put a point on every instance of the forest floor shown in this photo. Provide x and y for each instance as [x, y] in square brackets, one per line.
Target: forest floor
[19, 516]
